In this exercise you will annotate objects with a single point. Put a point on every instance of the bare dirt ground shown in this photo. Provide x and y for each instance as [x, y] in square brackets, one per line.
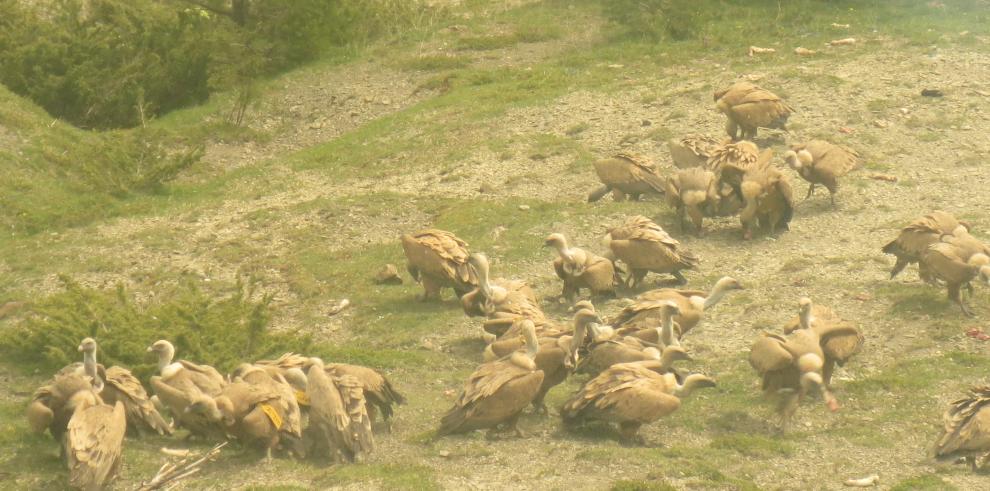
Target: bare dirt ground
[936, 148]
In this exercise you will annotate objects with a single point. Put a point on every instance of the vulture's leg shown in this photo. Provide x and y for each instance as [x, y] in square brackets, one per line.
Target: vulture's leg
[510, 425]
[628, 433]
[431, 288]
[956, 296]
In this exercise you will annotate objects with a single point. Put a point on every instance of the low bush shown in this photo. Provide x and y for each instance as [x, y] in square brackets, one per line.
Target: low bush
[222, 328]
[116, 63]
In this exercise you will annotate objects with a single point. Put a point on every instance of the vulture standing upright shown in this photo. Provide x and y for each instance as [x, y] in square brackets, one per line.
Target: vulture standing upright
[644, 246]
[438, 259]
[630, 394]
[627, 175]
[338, 416]
[913, 241]
[94, 440]
[497, 392]
[821, 162]
[748, 107]
[768, 197]
[693, 193]
[120, 385]
[580, 269]
[966, 430]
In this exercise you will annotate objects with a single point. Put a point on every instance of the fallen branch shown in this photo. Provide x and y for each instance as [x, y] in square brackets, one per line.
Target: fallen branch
[172, 472]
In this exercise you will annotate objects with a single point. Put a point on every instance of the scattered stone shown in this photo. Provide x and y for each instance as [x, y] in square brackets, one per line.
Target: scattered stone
[905, 111]
[840, 26]
[486, 188]
[845, 129]
[524, 207]
[881, 123]
[883, 177]
[804, 51]
[931, 93]
[316, 125]
[756, 50]
[336, 309]
[864, 482]
[444, 453]
[646, 122]
[842, 42]
[388, 275]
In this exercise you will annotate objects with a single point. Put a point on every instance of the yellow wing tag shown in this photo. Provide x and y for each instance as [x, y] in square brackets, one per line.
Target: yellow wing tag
[302, 398]
[272, 415]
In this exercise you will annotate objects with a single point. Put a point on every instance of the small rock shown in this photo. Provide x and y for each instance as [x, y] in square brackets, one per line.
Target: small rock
[316, 125]
[388, 275]
[905, 111]
[842, 42]
[647, 122]
[524, 207]
[486, 188]
[336, 309]
[881, 123]
[444, 453]
[386, 102]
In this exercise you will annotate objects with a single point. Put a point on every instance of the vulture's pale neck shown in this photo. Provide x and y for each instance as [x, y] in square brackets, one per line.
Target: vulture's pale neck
[693, 382]
[89, 364]
[484, 284]
[580, 331]
[532, 343]
[165, 357]
[805, 316]
[563, 249]
[667, 336]
[717, 294]
[812, 381]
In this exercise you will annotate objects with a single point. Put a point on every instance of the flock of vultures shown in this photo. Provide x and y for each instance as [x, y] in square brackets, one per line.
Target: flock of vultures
[301, 406]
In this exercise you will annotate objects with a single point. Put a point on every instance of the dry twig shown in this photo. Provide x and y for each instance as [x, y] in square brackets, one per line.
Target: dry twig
[171, 472]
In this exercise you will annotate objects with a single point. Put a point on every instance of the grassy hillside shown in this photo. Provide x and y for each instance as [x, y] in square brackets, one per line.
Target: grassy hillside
[485, 124]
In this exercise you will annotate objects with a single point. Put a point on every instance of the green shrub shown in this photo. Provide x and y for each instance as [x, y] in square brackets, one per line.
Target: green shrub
[116, 63]
[221, 328]
[658, 20]
[107, 65]
[123, 162]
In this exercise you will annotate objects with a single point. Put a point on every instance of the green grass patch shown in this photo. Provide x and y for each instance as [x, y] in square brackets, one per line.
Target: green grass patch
[753, 445]
[387, 476]
[632, 485]
[435, 62]
[922, 483]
